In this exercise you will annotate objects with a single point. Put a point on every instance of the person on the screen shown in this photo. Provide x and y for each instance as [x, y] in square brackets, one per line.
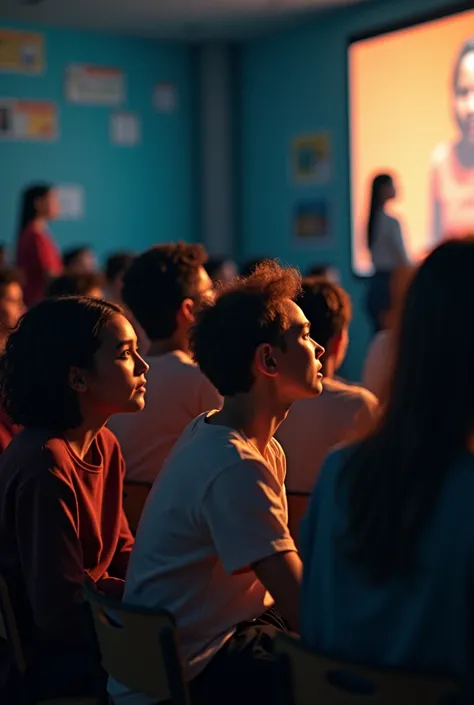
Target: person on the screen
[452, 175]
[387, 249]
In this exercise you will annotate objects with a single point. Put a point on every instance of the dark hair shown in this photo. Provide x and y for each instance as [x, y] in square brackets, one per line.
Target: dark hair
[250, 266]
[395, 476]
[327, 307]
[28, 203]
[50, 338]
[157, 283]
[69, 256]
[245, 314]
[74, 284]
[213, 265]
[117, 264]
[319, 270]
[10, 275]
[378, 183]
[466, 49]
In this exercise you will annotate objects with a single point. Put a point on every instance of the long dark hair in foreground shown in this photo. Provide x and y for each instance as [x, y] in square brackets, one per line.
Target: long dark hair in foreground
[394, 477]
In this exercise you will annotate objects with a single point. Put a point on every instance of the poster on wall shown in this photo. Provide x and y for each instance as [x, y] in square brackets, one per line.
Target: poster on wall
[311, 222]
[95, 85]
[311, 158]
[21, 52]
[71, 201]
[165, 97]
[125, 129]
[35, 120]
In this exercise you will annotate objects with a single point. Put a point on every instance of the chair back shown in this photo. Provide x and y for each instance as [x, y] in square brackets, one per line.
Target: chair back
[134, 498]
[9, 628]
[139, 647]
[297, 505]
[316, 679]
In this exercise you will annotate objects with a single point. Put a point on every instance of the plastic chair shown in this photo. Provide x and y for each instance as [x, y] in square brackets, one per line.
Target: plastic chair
[318, 680]
[134, 498]
[139, 647]
[10, 633]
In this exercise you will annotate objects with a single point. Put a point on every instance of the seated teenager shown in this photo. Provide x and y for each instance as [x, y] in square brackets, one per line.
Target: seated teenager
[388, 542]
[79, 260]
[74, 284]
[163, 289]
[115, 267]
[11, 309]
[68, 366]
[213, 546]
[343, 411]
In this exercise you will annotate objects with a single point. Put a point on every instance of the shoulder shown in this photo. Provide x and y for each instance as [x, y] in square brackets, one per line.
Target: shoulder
[442, 153]
[34, 456]
[349, 395]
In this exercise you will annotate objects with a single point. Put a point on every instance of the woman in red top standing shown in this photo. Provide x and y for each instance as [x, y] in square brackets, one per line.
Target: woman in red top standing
[37, 254]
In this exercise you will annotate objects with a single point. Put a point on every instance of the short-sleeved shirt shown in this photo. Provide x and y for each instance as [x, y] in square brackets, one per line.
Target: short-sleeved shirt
[453, 191]
[177, 392]
[340, 414]
[424, 622]
[217, 508]
[38, 257]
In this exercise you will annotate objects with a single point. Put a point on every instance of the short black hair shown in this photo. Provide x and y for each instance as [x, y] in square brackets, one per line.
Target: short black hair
[50, 338]
[74, 284]
[157, 283]
[10, 275]
[248, 312]
[73, 253]
[117, 264]
[327, 307]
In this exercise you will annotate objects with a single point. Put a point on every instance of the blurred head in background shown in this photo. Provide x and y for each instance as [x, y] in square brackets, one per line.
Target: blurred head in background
[90, 284]
[38, 203]
[221, 269]
[115, 267]
[327, 271]
[12, 306]
[79, 260]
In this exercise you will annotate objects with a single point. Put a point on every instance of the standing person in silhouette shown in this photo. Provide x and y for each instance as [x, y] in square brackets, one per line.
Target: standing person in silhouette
[452, 174]
[38, 257]
[387, 248]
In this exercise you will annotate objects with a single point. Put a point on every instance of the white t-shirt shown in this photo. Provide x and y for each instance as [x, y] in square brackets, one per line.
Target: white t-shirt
[177, 392]
[388, 248]
[313, 427]
[217, 508]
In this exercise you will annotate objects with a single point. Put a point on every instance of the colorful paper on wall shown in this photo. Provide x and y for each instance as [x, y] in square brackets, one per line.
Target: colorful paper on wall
[95, 85]
[28, 120]
[21, 52]
[125, 129]
[312, 222]
[311, 157]
[71, 201]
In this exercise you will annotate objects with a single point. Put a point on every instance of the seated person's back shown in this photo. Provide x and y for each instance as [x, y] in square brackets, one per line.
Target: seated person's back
[213, 545]
[343, 411]
[388, 541]
[163, 288]
[68, 366]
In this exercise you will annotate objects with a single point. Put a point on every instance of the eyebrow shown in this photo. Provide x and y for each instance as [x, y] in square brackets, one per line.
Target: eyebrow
[123, 343]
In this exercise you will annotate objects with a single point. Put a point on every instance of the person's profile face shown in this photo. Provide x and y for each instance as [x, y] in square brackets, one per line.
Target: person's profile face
[48, 206]
[298, 365]
[116, 384]
[12, 306]
[464, 97]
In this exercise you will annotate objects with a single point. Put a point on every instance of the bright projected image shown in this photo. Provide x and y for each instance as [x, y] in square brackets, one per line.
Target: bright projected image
[412, 116]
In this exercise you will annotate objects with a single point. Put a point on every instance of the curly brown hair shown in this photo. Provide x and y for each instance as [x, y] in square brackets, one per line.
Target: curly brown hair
[245, 314]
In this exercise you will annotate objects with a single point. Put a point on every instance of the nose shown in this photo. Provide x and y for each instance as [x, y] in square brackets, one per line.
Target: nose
[141, 366]
[318, 350]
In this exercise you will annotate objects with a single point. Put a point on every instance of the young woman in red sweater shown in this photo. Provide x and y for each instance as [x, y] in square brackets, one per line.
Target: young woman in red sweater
[70, 364]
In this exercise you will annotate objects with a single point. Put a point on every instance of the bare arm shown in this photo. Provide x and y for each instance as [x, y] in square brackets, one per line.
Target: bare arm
[281, 574]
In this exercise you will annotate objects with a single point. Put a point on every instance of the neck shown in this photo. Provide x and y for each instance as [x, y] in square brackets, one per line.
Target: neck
[329, 367]
[39, 223]
[81, 438]
[258, 422]
[161, 347]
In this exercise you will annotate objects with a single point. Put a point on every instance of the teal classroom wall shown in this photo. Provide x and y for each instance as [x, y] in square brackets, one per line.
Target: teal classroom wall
[296, 83]
[134, 196]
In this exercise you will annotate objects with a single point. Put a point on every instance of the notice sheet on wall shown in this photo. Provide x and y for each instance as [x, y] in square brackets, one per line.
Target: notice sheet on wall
[28, 120]
[21, 52]
[95, 85]
[125, 129]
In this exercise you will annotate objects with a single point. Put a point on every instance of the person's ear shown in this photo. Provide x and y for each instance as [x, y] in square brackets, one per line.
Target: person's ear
[186, 312]
[77, 380]
[265, 361]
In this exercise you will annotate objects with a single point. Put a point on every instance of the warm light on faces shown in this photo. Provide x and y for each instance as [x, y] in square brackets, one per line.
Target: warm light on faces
[298, 365]
[117, 382]
[12, 306]
[464, 97]
[48, 206]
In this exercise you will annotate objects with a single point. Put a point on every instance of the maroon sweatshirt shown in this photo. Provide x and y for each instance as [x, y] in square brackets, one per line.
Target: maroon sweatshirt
[60, 517]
